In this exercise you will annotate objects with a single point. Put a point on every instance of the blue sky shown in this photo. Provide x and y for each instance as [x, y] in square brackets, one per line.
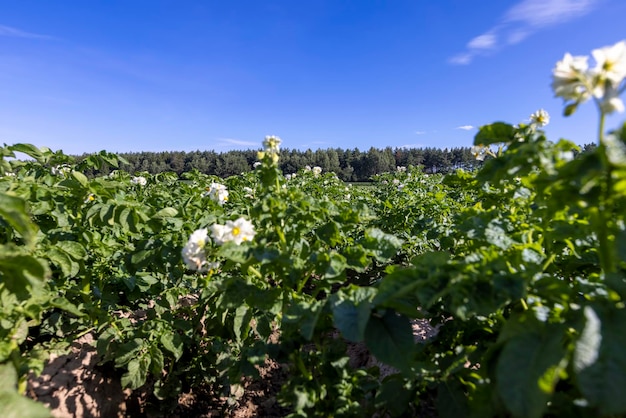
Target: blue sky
[149, 75]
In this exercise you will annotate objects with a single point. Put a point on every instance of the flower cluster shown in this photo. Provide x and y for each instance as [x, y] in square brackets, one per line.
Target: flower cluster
[194, 254]
[237, 231]
[316, 171]
[575, 82]
[140, 180]
[271, 146]
[59, 170]
[217, 192]
[401, 169]
[249, 192]
[480, 152]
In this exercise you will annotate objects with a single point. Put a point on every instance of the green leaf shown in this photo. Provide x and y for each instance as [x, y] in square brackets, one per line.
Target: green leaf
[73, 249]
[61, 260]
[495, 235]
[600, 360]
[122, 217]
[128, 351]
[336, 265]
[498, 132]
[172, 343]
[394, 396]
[351, 311]
[304, 312]
[67, 306]
[381, 245]
[157, 362]
[236, 253]
[451, 400]
[167, 212]
[356, 258]
[396, 285]
[14, 405]
[13, 211]
[23, 274]
[329, 233]
[241, 323]
[390, 339]
[137, 372]
[81, 178]
[30, 150]
[528, 367]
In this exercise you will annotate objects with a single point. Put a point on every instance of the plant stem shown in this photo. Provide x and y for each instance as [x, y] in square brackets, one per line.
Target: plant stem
[602, 215]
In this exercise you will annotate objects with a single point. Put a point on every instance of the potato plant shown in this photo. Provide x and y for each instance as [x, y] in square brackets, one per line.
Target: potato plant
[194, 281]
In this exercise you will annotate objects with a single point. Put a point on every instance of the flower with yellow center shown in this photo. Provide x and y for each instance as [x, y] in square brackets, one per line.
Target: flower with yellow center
[540, 118]
[217, 192]
[241, 230]
[272, 144]
[611, 63]
[237, 231]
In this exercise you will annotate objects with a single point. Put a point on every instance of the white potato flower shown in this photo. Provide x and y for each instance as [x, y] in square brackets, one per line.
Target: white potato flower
[220, 234]
[611, 63]
[140, 180]
[540, 117]
[241, 230]
[217, 192]
[570, 78]
[62, 169]
[317, 170]
[249, 193]
[272, 144]
[237, 231]
[611, 101]
[479, 152]
[193, 252]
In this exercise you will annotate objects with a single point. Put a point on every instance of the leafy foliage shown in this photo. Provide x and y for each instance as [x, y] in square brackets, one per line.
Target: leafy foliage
[520, 267]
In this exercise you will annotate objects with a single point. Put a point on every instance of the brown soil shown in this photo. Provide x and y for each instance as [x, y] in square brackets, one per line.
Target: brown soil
[73, 385]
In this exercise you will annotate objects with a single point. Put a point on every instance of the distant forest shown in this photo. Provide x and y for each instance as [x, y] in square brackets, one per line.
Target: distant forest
[349, 165]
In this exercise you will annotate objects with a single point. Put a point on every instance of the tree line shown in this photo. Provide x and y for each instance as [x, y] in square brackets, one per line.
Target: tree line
[349, 164]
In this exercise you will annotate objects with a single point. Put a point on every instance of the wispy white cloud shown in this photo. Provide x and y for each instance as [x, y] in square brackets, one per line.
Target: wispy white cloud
[521, 21]
[465, 127]
[461, 59]
[230, 142]
[541, 13]
[12, 32]
[484, 41]
[412, 146]
[420, 132]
